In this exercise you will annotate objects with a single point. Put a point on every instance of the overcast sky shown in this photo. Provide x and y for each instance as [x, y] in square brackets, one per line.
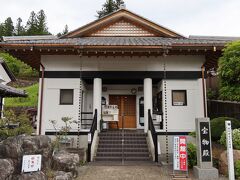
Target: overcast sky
[187, 17]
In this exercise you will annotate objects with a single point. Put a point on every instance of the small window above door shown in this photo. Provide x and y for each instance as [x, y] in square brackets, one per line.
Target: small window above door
[179, 97]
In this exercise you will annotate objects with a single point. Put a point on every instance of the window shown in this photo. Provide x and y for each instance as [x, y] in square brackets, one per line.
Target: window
[66, 96]
[179, 97]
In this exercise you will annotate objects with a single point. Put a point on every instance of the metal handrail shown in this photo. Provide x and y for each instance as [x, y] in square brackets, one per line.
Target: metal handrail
[92, 131]
[153, 133]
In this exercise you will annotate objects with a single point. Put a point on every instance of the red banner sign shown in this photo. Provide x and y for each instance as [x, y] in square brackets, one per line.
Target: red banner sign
[183, 153]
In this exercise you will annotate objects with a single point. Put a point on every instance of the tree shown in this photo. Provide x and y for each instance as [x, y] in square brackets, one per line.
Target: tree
[19, 29]
[42, 28]
[1, 30]
[229, 72]
[65, 31]
[8, 27]
[31, 27]
[109, 6]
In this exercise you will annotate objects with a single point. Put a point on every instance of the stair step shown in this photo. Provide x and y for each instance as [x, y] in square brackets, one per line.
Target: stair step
[112, 141]
[120, 146]
[125, 138]
[104, 149]
[120, 159]
[126, 154]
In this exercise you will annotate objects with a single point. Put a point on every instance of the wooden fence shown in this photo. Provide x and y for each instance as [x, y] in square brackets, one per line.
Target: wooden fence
[218, 108]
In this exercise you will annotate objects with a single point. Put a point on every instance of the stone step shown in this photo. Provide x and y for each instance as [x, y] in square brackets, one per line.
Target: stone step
[104, 149]
[139, 159]
[125, 154]
[133, 138]
[120, 134]
[120, 146]
[119, 141]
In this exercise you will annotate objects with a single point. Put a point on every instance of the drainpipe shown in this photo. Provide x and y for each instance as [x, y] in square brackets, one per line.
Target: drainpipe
[41, 99]
[203, 86]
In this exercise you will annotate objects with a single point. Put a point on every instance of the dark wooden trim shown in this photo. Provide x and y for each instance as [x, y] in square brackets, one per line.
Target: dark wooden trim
[128, 75]
[53, 133]
[173, 133]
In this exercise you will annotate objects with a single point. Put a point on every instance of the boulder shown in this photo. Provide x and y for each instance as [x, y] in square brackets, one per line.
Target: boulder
[223, 162]
[61, 175]
[6, 169]
[65, 161]
[15, 147]
[33, 176]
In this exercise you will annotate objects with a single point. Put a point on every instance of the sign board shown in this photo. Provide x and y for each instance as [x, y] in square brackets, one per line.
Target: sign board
[31, 163]
[205, 142]
[180, 153]
[229, 150]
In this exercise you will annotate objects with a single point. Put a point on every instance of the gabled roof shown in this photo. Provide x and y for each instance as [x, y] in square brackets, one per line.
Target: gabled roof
[122, 15]
[7, 91]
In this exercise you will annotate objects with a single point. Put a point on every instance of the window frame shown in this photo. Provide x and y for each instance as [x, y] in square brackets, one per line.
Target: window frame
[60, 99]
[185, 93]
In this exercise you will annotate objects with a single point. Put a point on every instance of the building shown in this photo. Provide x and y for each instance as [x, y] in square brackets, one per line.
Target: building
[121, 59]
[7, 76]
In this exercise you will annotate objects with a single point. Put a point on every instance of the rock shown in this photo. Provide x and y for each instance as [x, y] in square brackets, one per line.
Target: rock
[33, 176]
[64, 161]
[15, 147]
[61, 175]
[223, 162]
[6, 169]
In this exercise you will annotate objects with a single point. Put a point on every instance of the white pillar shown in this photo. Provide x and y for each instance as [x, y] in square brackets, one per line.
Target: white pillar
[147, 101]
[97, 98]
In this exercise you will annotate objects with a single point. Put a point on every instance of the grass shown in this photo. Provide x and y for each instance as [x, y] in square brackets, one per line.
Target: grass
[30, 101]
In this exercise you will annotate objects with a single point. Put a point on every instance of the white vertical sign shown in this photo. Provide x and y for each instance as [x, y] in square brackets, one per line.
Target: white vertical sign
[229, 150]
[176, 158]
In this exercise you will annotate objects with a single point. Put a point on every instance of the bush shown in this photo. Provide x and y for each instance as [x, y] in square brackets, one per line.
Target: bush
[235, 138]
[237, 168]
[218, 126]
[22, 122]
[192, 155]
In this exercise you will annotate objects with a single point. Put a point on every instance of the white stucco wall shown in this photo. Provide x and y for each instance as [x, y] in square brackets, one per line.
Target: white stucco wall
[3, 75]
[180, 118]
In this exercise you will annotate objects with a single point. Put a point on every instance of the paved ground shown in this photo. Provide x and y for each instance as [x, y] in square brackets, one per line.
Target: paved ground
[142, 172]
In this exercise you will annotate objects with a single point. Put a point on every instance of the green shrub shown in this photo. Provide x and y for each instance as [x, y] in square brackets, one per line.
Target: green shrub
[192, 155]
[22, 121]
[218, 126]
[235, 138]
[237, 168]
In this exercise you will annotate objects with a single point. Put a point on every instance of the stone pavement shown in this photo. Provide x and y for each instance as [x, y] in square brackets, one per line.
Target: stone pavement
[142, 172]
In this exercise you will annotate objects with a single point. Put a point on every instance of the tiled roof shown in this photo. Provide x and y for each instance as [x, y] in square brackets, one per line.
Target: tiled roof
[7, 91]
[123, 41]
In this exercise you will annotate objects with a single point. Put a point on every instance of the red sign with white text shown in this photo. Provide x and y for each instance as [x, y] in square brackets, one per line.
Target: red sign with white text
[183, 153]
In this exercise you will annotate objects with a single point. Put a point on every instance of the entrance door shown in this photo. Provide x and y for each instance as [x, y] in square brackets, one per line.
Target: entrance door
[127, 110]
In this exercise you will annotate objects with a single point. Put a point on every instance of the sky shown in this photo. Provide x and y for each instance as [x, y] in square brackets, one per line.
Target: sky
[187, 17]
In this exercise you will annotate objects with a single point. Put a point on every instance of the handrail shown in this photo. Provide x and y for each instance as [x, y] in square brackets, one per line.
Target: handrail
[91, 132]
[153, 133]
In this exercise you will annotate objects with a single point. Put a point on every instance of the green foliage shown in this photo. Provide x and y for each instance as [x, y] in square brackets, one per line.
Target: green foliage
[17, 67]
[212, 94]
[235, 138]
[192, 155]
[109, 6]
[30, 101]
[193, 134]
[237, 168]
[229, 72]
[21, 121]
[218, 126]
[65, 31]
[36, 25]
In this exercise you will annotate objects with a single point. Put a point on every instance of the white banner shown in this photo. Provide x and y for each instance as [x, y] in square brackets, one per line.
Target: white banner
[176, 154]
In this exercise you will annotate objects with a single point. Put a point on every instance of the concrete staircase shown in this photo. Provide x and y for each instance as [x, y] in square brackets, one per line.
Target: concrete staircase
[114, 146]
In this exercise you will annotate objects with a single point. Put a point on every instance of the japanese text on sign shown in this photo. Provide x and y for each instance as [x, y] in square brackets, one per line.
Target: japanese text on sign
[31, 163]
[180, 153]
[205, 142]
